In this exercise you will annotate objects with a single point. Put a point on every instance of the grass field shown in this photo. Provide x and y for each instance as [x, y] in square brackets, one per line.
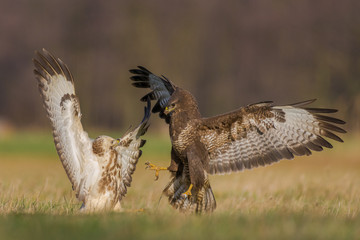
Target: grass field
[316, 197]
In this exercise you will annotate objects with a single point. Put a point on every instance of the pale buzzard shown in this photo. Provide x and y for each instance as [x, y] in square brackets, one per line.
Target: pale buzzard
[100, 170]
[252, 136]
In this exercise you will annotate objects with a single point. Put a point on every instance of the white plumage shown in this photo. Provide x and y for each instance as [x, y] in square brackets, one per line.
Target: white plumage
[99, 169]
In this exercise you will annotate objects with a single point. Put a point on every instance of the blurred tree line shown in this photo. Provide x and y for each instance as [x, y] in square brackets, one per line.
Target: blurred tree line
[227, 53]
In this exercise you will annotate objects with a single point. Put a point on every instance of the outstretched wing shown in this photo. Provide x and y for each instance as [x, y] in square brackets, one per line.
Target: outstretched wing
[129, 151]
[261, 134]
[162, 88]
[56, 86]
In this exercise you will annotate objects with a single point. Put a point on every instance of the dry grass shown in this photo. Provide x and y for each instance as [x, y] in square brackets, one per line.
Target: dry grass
[316, 196]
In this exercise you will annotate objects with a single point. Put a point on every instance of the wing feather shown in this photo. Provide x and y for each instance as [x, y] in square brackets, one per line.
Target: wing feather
[162, 88]
[56, 86]
[129, 151]
[261, 134]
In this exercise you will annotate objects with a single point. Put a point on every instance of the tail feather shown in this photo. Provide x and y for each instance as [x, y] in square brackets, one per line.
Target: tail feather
[201, 201]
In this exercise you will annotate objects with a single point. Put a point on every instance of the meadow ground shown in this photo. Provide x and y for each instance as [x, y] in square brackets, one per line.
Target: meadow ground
[316, 197]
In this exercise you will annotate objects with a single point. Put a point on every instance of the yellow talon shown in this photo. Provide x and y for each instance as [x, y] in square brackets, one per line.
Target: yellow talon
[157, 169]
[188, 192]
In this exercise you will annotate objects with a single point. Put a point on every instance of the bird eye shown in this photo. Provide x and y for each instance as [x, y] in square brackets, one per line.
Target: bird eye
[172, 105]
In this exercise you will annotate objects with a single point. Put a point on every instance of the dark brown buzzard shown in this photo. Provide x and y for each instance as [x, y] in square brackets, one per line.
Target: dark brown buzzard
[255, 135]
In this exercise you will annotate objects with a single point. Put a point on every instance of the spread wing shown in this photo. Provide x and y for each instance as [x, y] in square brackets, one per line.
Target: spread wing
[129, 151]
[56, 86]
[162, 88]
[261, 134]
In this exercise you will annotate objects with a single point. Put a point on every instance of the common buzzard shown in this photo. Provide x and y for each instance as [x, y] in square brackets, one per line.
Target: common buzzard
[256, 135]
[100, 170]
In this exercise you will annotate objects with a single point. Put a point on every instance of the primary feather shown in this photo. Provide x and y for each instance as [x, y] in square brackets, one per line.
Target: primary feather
[99, 169]
[255, 135]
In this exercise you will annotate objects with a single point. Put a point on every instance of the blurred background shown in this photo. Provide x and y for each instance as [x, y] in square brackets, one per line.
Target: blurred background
[228, 54]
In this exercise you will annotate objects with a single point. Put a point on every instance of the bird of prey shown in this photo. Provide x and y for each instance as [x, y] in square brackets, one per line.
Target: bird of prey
[251, 136]
[100, 170]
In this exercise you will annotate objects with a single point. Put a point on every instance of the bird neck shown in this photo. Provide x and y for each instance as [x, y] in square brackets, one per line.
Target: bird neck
[179, 120]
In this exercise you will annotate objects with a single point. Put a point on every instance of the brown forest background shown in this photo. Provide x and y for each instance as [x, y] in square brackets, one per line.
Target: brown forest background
[227, 53]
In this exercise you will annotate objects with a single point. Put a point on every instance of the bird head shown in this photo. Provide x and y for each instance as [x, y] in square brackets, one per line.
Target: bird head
[115, 142]
[170, 108]
[103, 144]
[182, 101]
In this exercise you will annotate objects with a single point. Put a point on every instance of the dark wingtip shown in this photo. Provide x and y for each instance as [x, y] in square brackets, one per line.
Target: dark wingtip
[261, 104]
[150, 95]
[329, 119]
[322, 142]
[141, 84]
[331, 127]
[144, 125]
[147, 110]
[144, 69]
[161, 87]
[136, 71]
[331, 135]
[142, 143]
[303, 103]
[140, 71]
[321, 110]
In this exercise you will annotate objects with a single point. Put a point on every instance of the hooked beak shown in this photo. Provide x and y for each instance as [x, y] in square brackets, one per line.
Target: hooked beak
[117, 142]
[168, 110]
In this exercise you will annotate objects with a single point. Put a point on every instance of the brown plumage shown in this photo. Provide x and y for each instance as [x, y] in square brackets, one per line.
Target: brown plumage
[252, 136]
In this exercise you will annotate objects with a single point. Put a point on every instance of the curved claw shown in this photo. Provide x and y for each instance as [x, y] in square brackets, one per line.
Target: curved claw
[157, 169]
[188, 192]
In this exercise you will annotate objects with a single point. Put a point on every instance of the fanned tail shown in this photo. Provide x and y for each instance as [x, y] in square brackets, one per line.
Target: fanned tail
[199, 202]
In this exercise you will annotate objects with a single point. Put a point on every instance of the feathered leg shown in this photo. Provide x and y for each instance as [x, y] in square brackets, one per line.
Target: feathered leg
[199, 201]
